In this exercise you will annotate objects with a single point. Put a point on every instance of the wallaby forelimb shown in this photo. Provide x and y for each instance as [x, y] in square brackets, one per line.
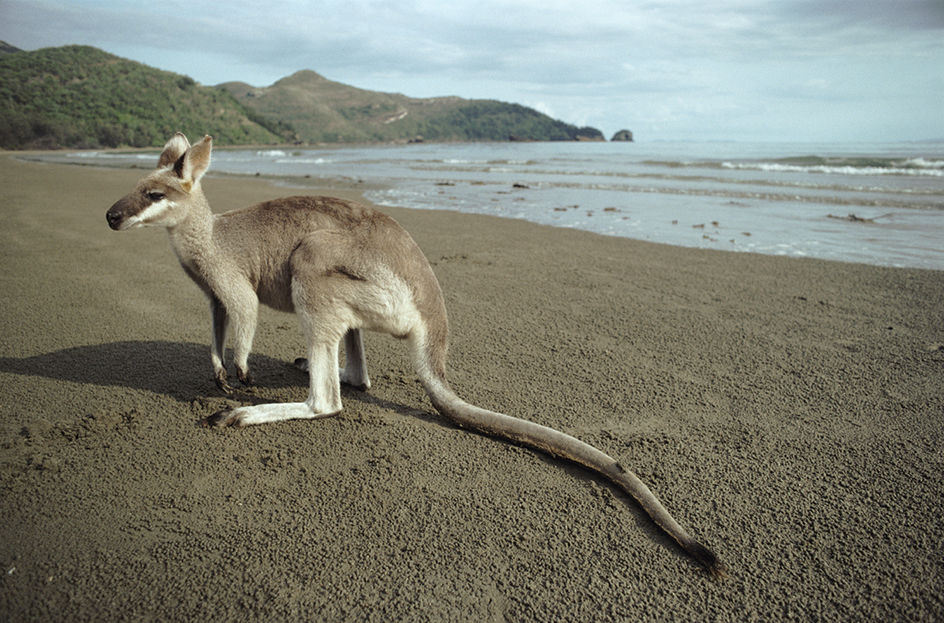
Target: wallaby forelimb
[342, 268]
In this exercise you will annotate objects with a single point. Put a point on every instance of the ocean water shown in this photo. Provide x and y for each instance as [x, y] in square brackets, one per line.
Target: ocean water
[878, 204]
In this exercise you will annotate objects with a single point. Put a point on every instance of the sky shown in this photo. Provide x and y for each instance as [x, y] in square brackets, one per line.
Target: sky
[724, 70]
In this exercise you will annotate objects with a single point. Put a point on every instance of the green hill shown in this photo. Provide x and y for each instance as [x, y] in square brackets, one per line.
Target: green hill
[82, 97]
[322, 111]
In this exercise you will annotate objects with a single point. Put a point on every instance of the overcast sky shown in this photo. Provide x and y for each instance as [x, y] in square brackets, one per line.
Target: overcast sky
[780, 70]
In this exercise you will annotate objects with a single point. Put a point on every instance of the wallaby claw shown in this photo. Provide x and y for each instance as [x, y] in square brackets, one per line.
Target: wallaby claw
[222, 383]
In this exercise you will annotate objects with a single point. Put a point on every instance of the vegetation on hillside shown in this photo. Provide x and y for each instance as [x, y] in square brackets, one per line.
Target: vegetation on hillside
[488, 120]
[82, 97]
[323, 111]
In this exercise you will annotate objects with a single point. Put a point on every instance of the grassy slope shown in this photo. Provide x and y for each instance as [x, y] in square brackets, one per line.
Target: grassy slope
[321, 110]
[82, 97]
[79, 96]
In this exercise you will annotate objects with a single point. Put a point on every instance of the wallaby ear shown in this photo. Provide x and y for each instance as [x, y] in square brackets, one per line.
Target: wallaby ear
[193, 164]
[173, 150]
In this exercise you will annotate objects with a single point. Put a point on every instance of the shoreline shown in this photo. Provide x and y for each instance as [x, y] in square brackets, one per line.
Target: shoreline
[720, 213]
[787, 411]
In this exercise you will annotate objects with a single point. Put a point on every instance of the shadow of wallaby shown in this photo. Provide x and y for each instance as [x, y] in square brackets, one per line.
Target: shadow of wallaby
[176, 369]
[180, 370]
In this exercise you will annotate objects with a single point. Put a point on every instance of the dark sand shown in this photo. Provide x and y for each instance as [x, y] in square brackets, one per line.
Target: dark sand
[790, 413]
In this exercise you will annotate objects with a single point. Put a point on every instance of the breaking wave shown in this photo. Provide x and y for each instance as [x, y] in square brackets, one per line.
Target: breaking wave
[846, 166]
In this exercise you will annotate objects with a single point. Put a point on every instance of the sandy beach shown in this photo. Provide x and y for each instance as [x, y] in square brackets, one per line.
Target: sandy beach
[788, 412]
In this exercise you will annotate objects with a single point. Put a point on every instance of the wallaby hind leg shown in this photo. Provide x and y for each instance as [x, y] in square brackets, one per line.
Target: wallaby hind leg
[354, 372]
[355, 364]
[324, 393]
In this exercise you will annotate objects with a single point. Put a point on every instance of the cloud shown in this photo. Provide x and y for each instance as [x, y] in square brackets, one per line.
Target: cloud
[670, 69]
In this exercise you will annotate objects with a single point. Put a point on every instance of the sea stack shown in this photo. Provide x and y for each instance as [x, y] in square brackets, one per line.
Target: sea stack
[623, 135]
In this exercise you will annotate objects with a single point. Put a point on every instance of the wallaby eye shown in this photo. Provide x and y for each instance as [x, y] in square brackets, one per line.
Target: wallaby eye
[154, 195]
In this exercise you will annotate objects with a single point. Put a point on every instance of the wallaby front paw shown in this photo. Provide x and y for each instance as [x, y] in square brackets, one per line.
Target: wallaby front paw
[245, 377]
[222, 383]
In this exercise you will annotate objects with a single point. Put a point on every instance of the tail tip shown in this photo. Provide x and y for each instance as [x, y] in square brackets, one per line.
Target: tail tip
[709, 560]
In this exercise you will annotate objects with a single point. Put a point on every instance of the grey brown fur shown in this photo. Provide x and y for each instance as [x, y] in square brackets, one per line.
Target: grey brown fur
[342, 268]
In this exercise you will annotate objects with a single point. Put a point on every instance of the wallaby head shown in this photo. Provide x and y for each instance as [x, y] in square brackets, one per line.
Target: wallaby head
[164, 197]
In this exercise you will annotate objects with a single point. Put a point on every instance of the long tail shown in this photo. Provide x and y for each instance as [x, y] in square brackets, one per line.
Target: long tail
[558, 444]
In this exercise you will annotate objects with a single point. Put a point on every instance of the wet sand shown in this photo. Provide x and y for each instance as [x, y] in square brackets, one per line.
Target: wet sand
[788, 412]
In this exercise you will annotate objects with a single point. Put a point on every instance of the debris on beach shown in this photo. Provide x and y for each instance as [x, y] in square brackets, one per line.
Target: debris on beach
[851, 218]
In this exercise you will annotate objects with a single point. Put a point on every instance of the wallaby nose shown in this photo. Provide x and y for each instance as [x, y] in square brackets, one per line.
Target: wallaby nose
[114, 218]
